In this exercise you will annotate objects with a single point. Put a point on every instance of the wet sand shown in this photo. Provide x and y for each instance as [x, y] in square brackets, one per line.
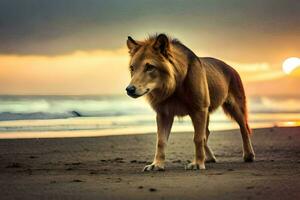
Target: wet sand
[110, 167]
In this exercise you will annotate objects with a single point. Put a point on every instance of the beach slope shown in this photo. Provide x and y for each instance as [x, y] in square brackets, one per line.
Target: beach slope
[110, 167]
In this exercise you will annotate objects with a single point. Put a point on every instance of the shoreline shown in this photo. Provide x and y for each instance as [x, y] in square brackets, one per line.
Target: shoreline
[101, 133]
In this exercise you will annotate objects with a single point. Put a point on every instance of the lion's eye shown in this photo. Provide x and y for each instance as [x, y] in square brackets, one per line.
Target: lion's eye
[131, 68]
[149, 68]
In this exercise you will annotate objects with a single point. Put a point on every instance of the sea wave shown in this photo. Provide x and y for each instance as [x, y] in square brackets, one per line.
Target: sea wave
[56, 107]
[52, 107]
[66, 116]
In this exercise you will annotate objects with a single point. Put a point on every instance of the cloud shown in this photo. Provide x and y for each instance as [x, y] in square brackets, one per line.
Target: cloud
[91, 72]
[250, 67]
[247, 31]
[106, 72]
[280, 86]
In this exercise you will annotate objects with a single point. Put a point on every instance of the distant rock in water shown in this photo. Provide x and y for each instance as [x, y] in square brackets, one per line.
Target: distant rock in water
[76, 114]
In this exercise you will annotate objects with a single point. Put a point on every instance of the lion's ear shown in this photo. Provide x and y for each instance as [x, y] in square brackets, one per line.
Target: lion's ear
[131, 43]
[161, 44]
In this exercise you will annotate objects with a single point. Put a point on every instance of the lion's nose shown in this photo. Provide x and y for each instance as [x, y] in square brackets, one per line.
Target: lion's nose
[131, 89]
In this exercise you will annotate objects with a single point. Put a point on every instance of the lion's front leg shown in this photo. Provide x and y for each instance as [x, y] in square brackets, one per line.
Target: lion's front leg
[199, 121]
[164, 124]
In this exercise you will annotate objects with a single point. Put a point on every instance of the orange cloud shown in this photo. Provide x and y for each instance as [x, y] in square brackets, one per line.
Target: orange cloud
[94, 72]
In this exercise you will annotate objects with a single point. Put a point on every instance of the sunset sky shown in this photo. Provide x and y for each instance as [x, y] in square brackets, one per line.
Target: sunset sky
[79, 47]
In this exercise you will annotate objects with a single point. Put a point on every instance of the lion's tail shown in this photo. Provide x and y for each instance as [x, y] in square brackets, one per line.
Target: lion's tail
[236, 104]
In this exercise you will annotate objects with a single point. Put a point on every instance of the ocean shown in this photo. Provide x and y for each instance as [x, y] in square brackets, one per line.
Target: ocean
[67, 116]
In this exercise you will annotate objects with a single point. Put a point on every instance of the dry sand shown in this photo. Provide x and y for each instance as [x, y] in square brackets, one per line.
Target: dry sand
[110, 168]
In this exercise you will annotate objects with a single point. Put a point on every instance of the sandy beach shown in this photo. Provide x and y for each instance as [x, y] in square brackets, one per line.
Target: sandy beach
[110, 167]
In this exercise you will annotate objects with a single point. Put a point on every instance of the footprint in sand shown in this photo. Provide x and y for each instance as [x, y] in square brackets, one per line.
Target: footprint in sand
[33, 157]
[75, 163]
[14, 165]
[77, 181]
[176, 161]
[94, 172]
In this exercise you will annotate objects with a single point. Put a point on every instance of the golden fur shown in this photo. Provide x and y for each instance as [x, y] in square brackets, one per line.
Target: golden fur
[177, 83]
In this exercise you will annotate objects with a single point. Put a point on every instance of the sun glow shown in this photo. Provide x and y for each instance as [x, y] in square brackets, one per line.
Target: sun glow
[290, 64]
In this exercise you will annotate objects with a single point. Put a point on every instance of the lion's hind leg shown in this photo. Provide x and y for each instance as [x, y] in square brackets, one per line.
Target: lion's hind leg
[210, 157]
[237, 112]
